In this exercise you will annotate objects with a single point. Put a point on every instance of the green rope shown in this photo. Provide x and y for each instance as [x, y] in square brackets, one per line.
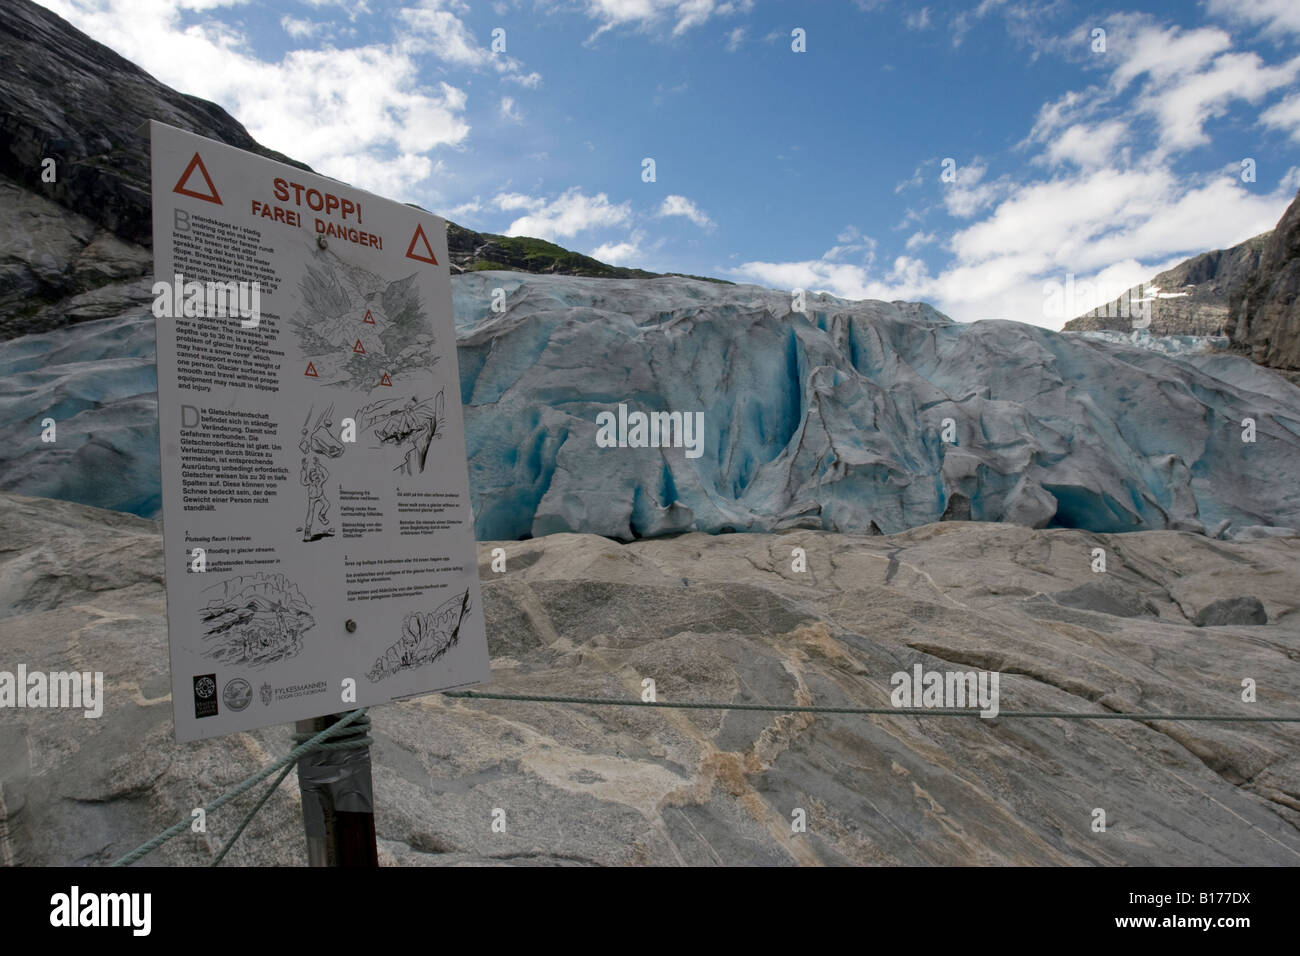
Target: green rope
[900, 711]
[288, 760]
[248, 817]
[354, 737]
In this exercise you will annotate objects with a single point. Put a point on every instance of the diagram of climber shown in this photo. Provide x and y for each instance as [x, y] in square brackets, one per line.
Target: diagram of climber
[317, 523]
[412, 426]
[318, 439]
[425, 638]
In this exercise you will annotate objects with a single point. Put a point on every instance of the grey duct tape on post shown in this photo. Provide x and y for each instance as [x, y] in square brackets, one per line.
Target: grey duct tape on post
[338, 778]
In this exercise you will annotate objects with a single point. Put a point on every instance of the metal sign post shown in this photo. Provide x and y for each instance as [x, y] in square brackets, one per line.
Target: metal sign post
[338, 797]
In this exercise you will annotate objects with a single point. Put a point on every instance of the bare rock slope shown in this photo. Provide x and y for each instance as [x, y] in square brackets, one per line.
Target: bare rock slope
[1192, 299]
[723, 619]
[1265, 315]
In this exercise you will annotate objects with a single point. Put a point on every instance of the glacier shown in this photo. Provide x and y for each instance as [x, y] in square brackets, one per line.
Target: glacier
[832, 419]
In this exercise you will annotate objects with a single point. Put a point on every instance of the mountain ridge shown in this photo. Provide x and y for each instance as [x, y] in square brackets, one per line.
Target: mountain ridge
[1250, 292]
[1207, 282]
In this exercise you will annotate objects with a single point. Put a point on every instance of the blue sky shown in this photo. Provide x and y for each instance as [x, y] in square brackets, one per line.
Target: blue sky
[819, 169]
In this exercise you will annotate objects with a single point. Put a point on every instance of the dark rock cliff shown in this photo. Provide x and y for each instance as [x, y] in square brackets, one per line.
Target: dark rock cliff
[1201, 288]
[1264, 316]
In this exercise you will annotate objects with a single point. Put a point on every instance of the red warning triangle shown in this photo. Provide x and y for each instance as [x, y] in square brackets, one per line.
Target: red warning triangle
[386, 380]
[359, 347]
[182, 183]
[311, 370]
[369, 319]
[421, 238]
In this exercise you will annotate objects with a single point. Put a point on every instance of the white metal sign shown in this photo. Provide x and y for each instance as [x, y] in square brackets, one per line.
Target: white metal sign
[318, 537]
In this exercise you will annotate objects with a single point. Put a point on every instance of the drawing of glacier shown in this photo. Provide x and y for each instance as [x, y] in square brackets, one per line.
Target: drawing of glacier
[425, 638]
[359, 329]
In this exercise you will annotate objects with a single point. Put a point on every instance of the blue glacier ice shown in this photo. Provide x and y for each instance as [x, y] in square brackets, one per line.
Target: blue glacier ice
[833, 418]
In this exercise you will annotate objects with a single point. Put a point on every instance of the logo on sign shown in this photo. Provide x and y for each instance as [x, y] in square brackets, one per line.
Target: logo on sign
[238, 693]
[205, 695]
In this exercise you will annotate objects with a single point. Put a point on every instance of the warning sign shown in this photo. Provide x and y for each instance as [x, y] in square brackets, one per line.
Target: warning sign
[317, 530]
[182, 187]
[419, 247]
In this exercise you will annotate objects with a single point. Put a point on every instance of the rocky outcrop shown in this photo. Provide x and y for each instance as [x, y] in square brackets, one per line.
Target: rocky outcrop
[67, 98]
[1265, 314]
[711, 619]
[58, 267]
[1192, 298]
[1234, 610]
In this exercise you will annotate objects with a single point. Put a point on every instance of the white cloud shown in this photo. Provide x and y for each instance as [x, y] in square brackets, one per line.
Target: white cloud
[442, 33]
[509, 111]
[681, 206]
[527, 80]
[907, 279]
[1114, 212]
[969, 194]
[1073, 106]
[1088, 145]
[362, 115]
[432, 28]
[1284, 115]
[1277, 16]
[299, 29]
[913, 180]
[466, 208]
[566, 215]
[851, 244]
[683, 14]
[1183, 108]
[509, 202]
[735, 38]
[1163, 54]
[625, 253]
[1109, 228]
[1027, 22]
[919, 20]
[1191, 77]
